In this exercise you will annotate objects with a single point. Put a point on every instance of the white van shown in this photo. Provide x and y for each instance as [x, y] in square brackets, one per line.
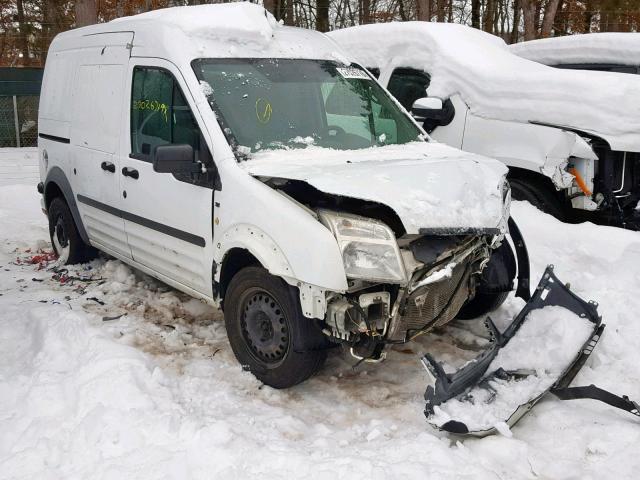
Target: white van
[253, 166]
[571, 139]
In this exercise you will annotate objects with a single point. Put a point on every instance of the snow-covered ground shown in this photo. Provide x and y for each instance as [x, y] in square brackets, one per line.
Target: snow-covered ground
[106, 373]
[18, 165]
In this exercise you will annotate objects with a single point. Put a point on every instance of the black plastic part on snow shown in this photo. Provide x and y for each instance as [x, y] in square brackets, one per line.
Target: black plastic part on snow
[523, 289]
[595, 393]
[550, 291]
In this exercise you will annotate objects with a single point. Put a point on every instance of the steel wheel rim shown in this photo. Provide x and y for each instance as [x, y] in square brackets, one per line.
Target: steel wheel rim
[61, 241]
[264, 327]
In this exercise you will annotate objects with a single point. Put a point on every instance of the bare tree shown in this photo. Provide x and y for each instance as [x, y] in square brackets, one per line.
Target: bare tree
[86, 13]
[549, 17]
[322, 15]
[23, 39]
[423, 10]
[529, 16]
[475, 13]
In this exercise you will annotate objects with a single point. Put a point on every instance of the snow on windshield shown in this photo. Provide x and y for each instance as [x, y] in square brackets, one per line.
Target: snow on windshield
[497, 84]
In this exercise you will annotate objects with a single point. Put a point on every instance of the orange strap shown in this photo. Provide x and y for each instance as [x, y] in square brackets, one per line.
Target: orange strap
[580, 181]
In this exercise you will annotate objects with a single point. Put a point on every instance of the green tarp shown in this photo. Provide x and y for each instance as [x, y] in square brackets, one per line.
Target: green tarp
[20, 81]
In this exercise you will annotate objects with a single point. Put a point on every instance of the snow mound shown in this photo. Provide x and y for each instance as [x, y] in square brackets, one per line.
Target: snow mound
[612, 48]
[497, 84]
[546, 343]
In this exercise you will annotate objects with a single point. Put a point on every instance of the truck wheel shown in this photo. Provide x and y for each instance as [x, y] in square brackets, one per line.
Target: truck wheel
[539, 195]
[267, 331]
[65, 238]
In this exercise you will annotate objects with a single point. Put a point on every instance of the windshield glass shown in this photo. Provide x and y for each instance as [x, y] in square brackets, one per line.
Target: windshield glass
[291, 103]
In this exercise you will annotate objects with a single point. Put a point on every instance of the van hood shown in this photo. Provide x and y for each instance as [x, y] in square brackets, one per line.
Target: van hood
[431, 187]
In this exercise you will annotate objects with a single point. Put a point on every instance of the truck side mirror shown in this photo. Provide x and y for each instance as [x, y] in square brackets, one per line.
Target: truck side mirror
[427, 108]
[175, 159]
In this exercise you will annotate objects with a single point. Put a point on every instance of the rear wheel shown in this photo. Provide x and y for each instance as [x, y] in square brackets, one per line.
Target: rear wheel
[267, 331]
[540, 195]
[65, 239]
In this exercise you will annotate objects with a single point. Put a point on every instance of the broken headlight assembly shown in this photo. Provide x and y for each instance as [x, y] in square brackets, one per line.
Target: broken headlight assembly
[368, 247]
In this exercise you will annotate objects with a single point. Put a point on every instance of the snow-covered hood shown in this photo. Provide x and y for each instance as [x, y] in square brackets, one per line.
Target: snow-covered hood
[497, 84]
[428, 185]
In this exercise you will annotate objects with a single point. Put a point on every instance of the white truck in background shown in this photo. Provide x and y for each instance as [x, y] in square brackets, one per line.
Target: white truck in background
[571, 139]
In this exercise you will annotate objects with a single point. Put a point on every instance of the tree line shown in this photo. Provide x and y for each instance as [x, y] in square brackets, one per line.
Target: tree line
[28, 26]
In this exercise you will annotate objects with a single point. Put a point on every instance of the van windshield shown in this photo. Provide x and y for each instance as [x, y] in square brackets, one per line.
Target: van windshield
[291, 103]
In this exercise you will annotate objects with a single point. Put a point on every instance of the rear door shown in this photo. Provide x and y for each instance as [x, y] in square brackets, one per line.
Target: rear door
[96, 117]
[168, 218]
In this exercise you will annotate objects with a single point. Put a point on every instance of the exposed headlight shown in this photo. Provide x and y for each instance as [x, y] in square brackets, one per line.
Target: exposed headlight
[369, 248]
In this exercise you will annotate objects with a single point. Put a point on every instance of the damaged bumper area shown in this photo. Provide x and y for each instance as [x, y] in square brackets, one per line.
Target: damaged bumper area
[540, 352]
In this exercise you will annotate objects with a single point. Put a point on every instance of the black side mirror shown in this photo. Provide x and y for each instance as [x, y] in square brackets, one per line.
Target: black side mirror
[433, 112]
[175, 159]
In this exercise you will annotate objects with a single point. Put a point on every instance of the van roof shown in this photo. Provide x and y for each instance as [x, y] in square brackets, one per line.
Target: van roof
[240, 30]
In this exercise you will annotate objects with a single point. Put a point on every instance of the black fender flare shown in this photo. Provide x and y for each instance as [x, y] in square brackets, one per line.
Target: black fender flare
[523, 289]
[57, 177]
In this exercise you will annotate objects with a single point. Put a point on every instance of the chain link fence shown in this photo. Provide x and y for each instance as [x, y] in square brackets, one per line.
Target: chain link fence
[19, 120]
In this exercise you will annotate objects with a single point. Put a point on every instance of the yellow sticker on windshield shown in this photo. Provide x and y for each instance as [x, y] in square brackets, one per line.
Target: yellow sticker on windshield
[263, 110]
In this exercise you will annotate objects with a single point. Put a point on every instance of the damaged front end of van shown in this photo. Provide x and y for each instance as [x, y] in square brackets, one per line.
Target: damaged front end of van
[404, 282]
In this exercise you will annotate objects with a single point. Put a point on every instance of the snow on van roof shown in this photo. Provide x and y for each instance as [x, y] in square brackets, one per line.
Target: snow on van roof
[230, 21]
[240, 30]
[497, 84]
[611, 48]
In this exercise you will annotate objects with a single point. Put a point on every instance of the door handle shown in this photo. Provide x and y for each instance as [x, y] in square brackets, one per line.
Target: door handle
[130, 172]
[108, 166]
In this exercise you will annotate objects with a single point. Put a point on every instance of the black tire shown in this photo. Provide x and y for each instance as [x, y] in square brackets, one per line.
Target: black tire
[267, 331]
[494, 284]
[64, 233]
[482, 304]
[540, 195]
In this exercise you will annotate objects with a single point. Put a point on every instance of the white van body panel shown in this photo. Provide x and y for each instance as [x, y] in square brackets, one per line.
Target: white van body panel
[277, 232]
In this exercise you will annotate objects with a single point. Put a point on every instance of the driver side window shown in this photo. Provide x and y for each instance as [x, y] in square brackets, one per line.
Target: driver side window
[408, 85]
[160, 114]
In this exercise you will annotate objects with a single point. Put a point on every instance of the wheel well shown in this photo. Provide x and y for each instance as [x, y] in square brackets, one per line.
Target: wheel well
[536, 180]
[234, 260]
[528, 176]
[52, 191]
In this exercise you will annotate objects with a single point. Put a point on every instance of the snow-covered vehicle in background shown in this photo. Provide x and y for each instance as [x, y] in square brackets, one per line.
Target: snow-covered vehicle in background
[571, 139]
[253, 166]
[602, 52]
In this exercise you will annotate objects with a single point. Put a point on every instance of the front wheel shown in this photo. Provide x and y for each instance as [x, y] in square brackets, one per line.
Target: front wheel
[267, 331]
[494, 284]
